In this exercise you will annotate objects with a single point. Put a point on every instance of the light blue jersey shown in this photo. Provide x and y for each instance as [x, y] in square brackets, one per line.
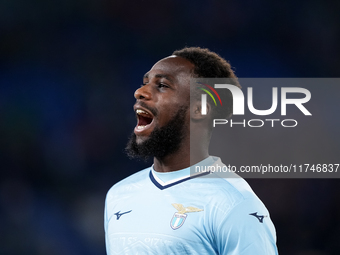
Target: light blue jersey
[175, 213]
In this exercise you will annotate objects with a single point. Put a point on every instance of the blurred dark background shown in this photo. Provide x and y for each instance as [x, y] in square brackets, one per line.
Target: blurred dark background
[68, 71]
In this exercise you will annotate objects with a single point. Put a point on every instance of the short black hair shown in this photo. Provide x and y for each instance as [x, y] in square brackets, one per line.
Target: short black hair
[209, 64]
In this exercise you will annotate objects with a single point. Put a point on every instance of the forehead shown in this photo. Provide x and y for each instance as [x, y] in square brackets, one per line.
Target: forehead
[174, 67]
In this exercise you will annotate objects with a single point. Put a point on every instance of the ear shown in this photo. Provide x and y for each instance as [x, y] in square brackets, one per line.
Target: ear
[196, 111]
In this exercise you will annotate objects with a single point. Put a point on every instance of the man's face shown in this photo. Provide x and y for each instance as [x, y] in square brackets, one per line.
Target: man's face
[161, 107]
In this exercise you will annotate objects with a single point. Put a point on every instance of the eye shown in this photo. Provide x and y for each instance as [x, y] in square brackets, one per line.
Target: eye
[162, 85]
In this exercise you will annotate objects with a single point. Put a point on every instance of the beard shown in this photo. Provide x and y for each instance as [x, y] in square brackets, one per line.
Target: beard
[162, 141]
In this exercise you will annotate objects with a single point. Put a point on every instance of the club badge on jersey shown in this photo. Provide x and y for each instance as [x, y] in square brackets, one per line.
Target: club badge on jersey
[179, 217]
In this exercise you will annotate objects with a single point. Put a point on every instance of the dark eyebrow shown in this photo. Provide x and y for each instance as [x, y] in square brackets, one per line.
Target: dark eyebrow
[169, 78]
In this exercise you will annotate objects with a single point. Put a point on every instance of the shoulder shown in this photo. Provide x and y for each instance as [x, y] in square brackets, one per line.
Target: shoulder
[239, 219]
[129, 183]
[227, 188]
[239, 187]
[227, 193]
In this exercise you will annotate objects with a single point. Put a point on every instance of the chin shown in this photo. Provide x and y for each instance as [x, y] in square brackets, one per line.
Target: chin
[141, 139]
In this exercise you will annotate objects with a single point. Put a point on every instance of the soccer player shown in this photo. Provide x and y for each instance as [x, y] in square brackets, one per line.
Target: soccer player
[165, 210]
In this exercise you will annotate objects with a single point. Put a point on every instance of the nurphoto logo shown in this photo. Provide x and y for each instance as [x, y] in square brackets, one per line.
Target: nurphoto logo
[239, 104]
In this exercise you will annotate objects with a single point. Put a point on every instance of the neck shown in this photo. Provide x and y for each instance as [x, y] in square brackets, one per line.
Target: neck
[185, 157]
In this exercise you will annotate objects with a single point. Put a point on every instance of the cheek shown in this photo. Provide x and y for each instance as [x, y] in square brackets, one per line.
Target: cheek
[185, 98]
[165, 109]
[168, 107]
[166, 114]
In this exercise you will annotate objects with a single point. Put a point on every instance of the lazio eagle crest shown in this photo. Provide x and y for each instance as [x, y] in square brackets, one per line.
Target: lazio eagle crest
[179, 217]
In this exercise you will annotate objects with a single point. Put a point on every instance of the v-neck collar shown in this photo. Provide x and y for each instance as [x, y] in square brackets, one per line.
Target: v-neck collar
[169, 179]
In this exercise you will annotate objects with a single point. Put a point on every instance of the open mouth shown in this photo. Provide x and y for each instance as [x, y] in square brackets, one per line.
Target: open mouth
[144, 120]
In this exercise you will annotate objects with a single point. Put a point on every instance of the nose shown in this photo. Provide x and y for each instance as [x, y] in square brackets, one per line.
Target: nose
[143, 93]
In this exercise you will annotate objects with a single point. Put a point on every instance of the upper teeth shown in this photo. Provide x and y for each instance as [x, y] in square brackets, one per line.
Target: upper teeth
[139, 111]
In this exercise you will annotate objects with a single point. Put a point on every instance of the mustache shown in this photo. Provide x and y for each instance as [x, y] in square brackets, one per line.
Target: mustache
[154, 111]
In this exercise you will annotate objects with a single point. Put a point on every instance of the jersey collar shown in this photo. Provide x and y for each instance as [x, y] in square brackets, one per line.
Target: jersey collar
[169, 179]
